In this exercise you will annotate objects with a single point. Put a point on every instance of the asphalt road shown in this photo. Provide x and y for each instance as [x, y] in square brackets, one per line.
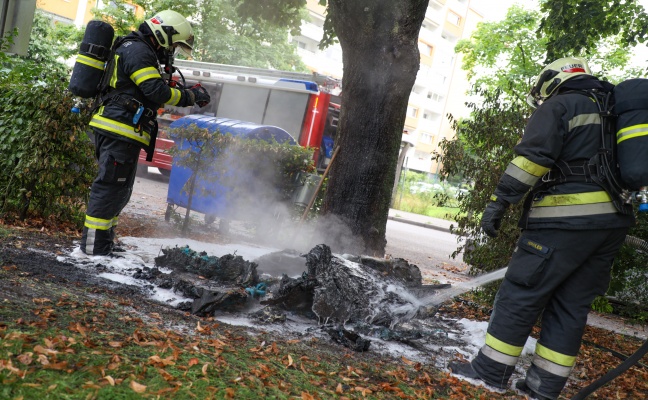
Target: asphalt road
[429, 249]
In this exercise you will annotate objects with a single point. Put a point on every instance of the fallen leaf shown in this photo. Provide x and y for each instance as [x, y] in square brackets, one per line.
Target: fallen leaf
[204, 369]
[406, 361]
[26, 358]
[110, 380]
[137, 387]
[193, 361]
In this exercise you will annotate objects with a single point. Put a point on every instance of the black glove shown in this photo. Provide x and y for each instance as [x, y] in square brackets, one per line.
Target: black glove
[199, 95]
[492, 217]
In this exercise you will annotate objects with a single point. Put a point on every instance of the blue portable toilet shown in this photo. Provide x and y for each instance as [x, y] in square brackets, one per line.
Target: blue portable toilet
[215, 204]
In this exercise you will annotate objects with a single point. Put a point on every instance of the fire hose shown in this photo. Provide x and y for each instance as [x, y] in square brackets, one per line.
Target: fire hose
[630, 361]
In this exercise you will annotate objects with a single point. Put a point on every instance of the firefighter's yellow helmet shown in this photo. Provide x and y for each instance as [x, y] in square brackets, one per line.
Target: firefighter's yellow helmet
[554, 75]
[172, 30]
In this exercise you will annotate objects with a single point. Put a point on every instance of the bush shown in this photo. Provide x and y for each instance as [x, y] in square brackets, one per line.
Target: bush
[47, 162]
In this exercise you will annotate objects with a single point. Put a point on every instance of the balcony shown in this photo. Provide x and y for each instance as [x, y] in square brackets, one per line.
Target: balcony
[312, 31]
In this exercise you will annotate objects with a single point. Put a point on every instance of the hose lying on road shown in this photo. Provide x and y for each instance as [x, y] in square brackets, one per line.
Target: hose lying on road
[630, 361]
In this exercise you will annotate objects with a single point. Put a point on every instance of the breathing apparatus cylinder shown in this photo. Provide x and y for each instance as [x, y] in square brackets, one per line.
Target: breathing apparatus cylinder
[631, 106]
[91, 60]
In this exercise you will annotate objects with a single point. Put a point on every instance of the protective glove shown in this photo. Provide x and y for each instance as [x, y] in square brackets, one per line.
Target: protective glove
[199, 95]
[492, 217]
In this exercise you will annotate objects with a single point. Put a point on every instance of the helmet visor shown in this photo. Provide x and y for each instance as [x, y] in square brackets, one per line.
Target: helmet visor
[184, 46]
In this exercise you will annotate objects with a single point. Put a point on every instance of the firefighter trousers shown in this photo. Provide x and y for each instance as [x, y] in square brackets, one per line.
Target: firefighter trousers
[110, 192]
[554, 275]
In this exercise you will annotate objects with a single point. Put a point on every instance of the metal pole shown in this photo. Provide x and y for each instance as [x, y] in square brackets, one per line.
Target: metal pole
[319, 186]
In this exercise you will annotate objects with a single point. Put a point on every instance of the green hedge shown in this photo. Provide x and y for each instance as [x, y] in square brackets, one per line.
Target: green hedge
[47, 162]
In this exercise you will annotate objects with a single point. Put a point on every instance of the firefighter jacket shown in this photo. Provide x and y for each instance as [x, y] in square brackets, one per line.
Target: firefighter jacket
[563, 133]
[140, 87]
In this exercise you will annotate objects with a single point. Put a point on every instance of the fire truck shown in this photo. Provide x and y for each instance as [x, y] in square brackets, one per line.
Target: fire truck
[305, 105]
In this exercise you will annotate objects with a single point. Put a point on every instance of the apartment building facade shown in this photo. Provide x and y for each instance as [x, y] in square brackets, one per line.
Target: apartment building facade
[77, 12]
[440, 85]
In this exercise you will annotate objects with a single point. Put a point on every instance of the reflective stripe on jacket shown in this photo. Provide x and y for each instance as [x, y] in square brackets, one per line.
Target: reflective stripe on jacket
[565, 128]
[136, 75]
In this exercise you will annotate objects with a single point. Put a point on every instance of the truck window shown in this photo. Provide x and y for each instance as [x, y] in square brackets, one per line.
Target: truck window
[286, 110]
[245, 103]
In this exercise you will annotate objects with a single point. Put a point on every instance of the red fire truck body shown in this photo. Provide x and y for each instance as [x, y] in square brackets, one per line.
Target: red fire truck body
[302, 104]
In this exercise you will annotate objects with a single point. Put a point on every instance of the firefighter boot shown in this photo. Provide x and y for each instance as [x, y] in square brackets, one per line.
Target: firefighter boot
[522, 387]
[466, 370]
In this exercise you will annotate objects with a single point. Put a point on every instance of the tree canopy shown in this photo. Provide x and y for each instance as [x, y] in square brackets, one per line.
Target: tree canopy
[223, 35]
[503, 58]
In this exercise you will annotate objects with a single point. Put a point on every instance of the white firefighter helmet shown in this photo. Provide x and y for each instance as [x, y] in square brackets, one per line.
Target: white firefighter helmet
[554, 75]
[172, 30]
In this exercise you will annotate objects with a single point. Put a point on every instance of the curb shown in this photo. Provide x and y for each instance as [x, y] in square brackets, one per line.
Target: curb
[421, 224]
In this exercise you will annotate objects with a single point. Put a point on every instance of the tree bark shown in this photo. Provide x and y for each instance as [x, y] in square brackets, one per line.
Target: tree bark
[379, 40]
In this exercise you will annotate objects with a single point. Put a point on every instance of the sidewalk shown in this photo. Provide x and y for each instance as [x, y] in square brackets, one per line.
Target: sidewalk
[420, 220]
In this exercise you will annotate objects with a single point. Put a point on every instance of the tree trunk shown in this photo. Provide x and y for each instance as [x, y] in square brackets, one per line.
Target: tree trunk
[379, 40]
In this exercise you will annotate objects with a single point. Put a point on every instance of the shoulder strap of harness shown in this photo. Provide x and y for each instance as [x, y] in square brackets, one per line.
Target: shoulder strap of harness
[106, 92]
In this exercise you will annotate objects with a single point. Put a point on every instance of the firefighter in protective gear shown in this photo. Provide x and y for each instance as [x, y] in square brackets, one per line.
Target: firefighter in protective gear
[125, 120]
[571, 232]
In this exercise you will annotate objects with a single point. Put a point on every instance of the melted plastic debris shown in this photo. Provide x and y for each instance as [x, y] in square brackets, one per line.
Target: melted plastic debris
[231, 269]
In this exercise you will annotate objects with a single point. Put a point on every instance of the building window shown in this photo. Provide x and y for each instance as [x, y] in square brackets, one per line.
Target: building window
[454, 18]
[425, 138]
[428, 115]
[435, 97]
[425, 49]
[412, 112]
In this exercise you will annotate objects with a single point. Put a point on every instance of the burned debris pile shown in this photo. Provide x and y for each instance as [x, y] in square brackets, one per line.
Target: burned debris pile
[334, 290]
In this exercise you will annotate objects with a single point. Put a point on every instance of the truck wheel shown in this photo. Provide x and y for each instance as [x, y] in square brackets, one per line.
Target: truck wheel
[165, 172]
[167, 213]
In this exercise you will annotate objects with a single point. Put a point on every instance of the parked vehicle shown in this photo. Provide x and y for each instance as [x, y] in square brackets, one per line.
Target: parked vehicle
[424, 187]
[304, 105]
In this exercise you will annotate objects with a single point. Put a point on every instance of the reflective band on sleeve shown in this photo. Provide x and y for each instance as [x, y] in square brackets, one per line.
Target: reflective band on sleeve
[502, 347]
[98, 223]
[176, 95]
[119, 128]
[90, 62]
[144, 74]
[632, 132]
[584, 119]
[525, 171]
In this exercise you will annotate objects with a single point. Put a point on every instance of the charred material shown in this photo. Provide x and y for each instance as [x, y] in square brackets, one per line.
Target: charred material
[342, 290]
[229, 268]
[295, 294]
[396, 268]
[348, 339]
[208, 295]
[347, 291]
